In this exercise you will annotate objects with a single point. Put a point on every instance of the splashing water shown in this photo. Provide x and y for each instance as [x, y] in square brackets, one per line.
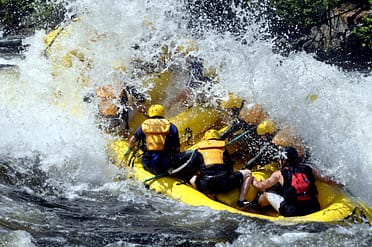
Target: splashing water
[43, 113]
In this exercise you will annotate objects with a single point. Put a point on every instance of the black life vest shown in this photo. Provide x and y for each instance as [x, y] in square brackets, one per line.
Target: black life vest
[299, 184]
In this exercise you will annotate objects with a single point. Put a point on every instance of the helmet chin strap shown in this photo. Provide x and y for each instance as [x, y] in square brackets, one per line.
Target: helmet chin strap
[283, 163]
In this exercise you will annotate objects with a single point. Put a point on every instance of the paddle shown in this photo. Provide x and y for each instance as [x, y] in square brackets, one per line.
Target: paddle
[171, 171]
[155, 177]
[125, 157]
[186, 163]
[235, 139]
[364, 210]
[367, 211]
[250, 162]
[131, 154]
[45, 52]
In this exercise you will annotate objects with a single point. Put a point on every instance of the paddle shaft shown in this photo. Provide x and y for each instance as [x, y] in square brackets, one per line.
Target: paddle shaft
[255, 157]
[235, 139]
[156, 176]
[172, 171]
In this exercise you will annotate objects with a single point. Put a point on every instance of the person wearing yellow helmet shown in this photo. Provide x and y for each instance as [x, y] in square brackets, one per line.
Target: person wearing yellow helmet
[216, 174]
[257, 145]
[269, 140]
[246, 119]
[260, 138]
[241, 114]
[159, 140]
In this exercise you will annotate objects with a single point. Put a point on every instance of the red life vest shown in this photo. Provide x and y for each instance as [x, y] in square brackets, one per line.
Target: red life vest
[302, 186]
[299, 183]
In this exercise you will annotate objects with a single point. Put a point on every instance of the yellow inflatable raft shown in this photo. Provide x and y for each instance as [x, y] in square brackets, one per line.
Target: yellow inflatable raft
[337, 205]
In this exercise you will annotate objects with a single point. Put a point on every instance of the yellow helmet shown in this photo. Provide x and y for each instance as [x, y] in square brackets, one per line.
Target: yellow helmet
[266, 127]
[212, 134]
[156, 111]
[232, 102]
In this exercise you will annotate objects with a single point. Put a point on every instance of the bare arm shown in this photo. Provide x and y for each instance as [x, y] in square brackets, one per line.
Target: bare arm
[131, 142]
[326, 179]
[268, 183]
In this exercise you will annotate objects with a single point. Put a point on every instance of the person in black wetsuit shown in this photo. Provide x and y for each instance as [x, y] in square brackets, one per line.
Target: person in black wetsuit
[216, 173]
[291, 191]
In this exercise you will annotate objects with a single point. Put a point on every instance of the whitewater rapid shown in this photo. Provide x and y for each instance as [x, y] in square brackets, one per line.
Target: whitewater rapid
[42, 110]
[335, 125]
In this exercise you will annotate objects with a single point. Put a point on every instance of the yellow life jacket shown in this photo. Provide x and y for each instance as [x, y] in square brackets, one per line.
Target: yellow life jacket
[108, 100]
[156, 130]
[212, 151]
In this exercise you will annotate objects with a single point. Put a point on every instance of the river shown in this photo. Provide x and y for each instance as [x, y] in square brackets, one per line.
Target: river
[57, 184]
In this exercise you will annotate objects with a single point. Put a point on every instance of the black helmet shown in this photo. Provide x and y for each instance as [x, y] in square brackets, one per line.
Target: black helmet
[290, 154]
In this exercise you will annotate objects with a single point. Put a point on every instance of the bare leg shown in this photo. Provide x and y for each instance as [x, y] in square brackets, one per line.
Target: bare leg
[262, 201]
[246, 184]
[193, 181]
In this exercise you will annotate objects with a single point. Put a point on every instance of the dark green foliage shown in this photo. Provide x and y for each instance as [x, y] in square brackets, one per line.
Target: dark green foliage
[25, 16]
[12, 12]
[299, 16]
[296, 22]
[364, 31]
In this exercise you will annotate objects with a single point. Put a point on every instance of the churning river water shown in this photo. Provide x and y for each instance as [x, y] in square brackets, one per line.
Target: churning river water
[57, 186]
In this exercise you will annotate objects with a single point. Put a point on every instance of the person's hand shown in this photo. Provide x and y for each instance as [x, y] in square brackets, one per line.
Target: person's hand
[342, 186]
[141, 108]
[127, 152]
[254, 182]
[88, 98]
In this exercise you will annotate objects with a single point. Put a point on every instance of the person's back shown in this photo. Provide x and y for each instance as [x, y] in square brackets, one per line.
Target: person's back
[291, 190]
[216, 169]
[216, 163]
[159, 141]
[299, 191]
[157, 132]
[215, 157]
